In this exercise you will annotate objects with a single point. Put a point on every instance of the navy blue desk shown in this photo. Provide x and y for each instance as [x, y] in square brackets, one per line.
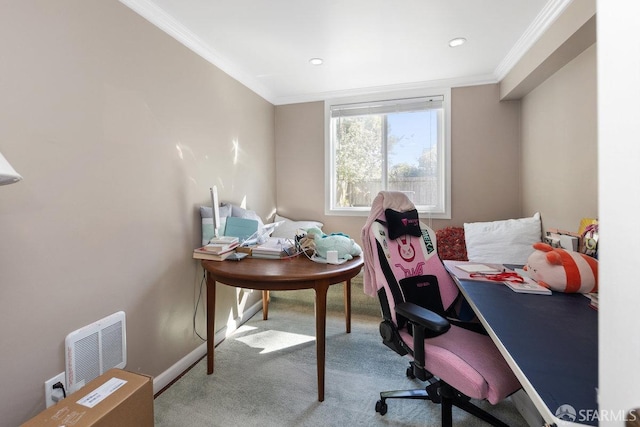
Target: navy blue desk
[550, 342]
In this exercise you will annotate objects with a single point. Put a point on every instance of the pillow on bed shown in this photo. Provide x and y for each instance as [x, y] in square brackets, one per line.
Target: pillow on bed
[502, 242]
[239, 212]
[289, 227]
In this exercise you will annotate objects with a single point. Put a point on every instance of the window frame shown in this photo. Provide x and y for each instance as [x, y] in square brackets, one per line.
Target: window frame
[378, 97]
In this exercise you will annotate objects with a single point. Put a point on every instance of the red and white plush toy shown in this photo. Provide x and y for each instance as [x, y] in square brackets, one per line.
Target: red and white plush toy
[561, 270]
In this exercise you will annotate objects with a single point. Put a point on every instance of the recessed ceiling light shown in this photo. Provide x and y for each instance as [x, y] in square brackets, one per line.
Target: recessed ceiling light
[457, 41]
[316, 61]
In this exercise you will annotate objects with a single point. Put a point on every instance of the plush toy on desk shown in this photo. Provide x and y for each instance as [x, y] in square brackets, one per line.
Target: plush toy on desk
[561, 270]
[347, 248]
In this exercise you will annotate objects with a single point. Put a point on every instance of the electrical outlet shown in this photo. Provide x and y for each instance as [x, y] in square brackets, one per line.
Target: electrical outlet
[49, 390]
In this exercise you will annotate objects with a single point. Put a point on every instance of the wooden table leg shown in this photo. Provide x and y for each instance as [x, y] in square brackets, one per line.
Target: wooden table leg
[211, 320]
[265, 305]
[321, 331]
[347, 305]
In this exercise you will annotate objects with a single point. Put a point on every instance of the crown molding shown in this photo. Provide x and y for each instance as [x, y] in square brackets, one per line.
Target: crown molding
[551, 11]
[165, 22]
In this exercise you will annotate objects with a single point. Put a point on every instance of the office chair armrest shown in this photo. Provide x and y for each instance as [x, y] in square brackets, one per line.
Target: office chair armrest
[425, 324]
[436, 324]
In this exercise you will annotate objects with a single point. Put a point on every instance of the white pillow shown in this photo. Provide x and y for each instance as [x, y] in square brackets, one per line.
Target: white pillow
[502, 242]
[289, 227]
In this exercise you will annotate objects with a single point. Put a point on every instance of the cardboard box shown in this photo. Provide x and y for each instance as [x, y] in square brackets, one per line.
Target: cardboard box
[116, 398]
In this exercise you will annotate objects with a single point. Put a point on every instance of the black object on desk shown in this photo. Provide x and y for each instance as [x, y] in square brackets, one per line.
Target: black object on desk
[552, 340]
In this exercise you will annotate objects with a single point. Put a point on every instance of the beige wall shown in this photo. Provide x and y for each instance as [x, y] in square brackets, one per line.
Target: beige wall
[485, 160]
[559, 145]
[300, 159]
[485, 145]
[118, 131]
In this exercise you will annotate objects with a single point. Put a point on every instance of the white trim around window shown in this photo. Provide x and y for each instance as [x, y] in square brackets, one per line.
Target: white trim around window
[383, 103]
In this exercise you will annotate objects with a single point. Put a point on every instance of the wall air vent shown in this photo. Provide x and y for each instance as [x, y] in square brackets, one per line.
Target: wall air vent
[94, 349]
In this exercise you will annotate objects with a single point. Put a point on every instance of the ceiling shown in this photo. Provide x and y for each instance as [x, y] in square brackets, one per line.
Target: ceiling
[368, 46]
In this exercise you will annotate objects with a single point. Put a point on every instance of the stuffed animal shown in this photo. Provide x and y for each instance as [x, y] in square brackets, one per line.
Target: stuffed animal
[561, 270]
[347, 248]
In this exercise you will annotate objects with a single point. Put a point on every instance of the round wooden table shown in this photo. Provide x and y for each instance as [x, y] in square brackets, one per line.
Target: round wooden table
[282, 275]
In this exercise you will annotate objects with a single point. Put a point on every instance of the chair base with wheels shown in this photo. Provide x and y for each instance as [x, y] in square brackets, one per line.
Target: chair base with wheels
[440, 393]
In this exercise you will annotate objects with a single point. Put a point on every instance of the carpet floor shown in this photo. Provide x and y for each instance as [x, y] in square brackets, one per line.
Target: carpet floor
[265, 375]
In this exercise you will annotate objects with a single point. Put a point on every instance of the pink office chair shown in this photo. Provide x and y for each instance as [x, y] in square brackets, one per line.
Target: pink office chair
[418, 300]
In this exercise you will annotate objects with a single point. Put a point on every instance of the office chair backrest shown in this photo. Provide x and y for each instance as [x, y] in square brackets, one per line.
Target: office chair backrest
[407, 266]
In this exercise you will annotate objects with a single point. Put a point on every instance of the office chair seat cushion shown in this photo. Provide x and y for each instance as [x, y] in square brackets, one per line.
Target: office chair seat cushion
[469, 362]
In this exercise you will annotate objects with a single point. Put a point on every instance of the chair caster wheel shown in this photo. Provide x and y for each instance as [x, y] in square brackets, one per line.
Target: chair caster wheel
[381, 407]
[410, 374]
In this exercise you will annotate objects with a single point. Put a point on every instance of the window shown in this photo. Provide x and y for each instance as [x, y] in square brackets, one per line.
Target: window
[399, 144]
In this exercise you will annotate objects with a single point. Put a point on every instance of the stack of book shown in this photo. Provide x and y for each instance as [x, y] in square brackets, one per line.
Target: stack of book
[273, 248]
[218, 249]
[222, 244]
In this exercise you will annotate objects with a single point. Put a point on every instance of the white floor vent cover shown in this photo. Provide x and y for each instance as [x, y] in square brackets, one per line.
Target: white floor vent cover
[94, 349]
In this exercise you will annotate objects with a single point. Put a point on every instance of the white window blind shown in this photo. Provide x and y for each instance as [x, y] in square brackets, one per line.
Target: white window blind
[385, 107]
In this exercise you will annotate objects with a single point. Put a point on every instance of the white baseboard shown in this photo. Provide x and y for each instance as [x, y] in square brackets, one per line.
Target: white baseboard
[165, 378]
[527, 409]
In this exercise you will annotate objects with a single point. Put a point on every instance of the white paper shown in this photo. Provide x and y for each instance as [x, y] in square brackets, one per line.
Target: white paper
[101, 393]
[477, 268]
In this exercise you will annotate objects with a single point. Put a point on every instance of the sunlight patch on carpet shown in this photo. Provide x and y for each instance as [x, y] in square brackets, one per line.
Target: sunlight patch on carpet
[270, 341]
